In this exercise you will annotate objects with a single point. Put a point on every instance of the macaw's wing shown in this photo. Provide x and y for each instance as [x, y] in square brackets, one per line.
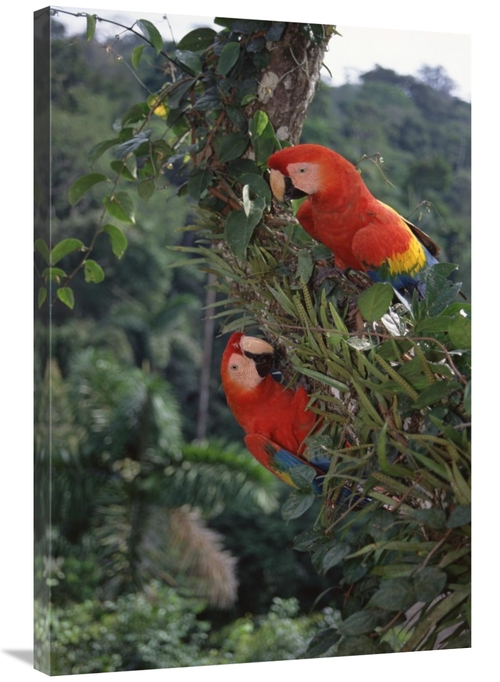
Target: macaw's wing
[393, 250]
[279, 461]
[319, 460]
[429, 243]
[305, 216]
[345, 497]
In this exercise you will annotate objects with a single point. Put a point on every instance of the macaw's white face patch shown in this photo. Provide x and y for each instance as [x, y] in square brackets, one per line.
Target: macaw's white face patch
[243, 372]
[305, 176]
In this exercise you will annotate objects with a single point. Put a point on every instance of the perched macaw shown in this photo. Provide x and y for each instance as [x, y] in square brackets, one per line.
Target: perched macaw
[276, 419]
[341, 213]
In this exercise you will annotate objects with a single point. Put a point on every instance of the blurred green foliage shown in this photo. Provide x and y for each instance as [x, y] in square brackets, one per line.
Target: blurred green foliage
[159, 628]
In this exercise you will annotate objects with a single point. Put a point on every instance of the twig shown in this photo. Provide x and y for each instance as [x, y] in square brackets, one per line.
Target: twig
[227, 200]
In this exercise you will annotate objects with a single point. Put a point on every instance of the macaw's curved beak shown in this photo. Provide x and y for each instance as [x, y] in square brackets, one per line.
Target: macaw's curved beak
[283, 188]
[260, 352]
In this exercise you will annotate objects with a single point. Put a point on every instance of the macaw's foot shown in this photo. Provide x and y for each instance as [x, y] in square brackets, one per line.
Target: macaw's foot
[324, 272]
[351, 281]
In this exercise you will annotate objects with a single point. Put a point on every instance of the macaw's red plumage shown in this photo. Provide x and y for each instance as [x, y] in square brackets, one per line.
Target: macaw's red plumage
[275, 418]
[258, 402]
[341, 213]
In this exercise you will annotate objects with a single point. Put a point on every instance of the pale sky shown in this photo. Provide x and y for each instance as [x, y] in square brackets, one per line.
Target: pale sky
[358, 50]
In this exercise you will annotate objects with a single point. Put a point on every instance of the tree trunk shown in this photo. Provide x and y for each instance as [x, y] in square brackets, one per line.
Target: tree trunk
[206, 366]
[289, 81]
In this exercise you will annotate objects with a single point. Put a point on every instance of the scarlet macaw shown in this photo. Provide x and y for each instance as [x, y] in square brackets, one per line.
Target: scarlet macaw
[341, 213]
[276, 419]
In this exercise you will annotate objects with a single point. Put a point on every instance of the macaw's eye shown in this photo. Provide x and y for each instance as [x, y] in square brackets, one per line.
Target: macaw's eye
[234, 367]
[303, 170]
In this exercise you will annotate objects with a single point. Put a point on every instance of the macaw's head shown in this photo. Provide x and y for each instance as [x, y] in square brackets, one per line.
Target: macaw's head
[246, 361]
[306, 169]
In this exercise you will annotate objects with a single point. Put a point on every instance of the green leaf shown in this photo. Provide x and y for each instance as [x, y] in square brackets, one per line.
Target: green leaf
[43, 249]
[296, 505]
[460, 332]
[432, 325]
[375, 301]
[259, 123]
[162, 150]
[66, 295]
[121, 207]
[42, 295]
[137, 112]
[240, 166]
[359, 623]
[329, 381]
[385, 465]
[322, 642]
[91, 22]
[197, 40]
[394, 595]
[228, 57]
[428, 583]
[459, 516]
[146, 189]
[335, 555]
[434, 518]
[232, 147]
[257, 185]
[238, 230]
[190, 60]
[306, 540]
[124, 171]
[82, 185]
[198, 182]
[237, 118]
[433, 616]
[338, 321]
[438, 275]
[468, 398]
[439, 290]
[117, 238]
[393, 571]
[264, 140]
[54, 274]
[433, 394]
[178, 91]
[98, 150]
[302, 476]
[253, 209]
[64, 247]
[353, 572]
[275, 31]
[151, 33]
[93, 271]
[305, 266]
[356, 646]
[210, 101]
[136, 55]
[459, 308]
